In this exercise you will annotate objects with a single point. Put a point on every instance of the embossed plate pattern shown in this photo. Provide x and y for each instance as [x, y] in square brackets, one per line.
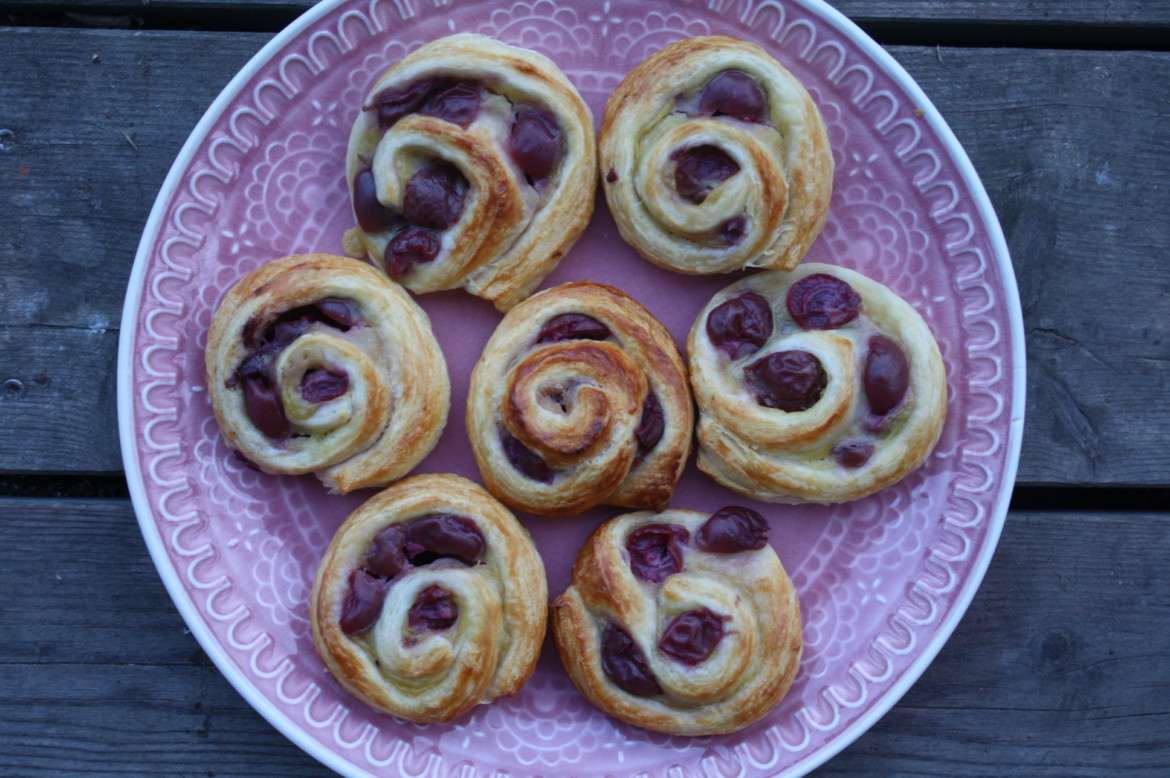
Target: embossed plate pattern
[883, 581]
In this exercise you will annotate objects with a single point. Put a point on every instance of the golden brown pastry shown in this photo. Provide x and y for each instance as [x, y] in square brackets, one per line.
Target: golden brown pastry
[580, 398]
[714, 158]
[472, 164]
[680, 622]
[815, 385]
[320, 364]
[430, 600]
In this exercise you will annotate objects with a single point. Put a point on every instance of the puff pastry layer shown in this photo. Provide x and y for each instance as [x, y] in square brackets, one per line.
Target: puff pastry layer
[580, 398]
[472, 163]
[320, 364]
[815, 385]
[680, 622]
[714, 157]
[430, 600]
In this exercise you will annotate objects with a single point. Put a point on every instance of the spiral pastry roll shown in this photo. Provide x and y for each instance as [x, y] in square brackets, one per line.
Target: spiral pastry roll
[680, 622]
[430, 600]
[580, 398]
[320, 364]
[815, 385]
[714, 158]
[471, 164]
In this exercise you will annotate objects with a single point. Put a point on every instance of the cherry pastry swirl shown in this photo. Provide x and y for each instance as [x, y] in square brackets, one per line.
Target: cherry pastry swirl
[714, 158]
[680, 622]
[472, 164]
[580, 398]
[320, 364]
[815, 385]
[430, 600]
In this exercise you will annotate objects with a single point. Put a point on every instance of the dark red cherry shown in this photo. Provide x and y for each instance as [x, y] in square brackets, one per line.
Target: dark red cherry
[410, 247]
[371, 215]
[526, 461]
[887, 374]
[434, 196]
[656, 551]
[625, 664]
[455, 101]
[535, 142]
[363, 602]
[699, 169]
[692, 636]
[339, 312]
[852, 454]
[822, 302]
[731, 530]
[385, 556]
[319, 385]
[651, 426]
[572, 326]
[788, 380]
[732, 231]
[433, 611]
[392, 104]
[264, 407]
[442, 535]
[734, 93]
[741, 325]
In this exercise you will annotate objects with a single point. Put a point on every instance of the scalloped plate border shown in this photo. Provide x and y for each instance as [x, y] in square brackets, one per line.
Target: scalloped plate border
[145, 510]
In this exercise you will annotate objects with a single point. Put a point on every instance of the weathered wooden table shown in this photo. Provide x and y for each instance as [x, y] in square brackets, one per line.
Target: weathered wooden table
[1060, 667]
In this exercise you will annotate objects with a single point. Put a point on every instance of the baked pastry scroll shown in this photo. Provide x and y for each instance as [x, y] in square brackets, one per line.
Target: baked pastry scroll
[815, 385]
[320, 364]
[714, 158]
[580, 398]
[680, 622]
[471, 163]
[430, 600]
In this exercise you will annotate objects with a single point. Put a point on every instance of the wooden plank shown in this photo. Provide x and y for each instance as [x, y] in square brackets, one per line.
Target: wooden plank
[1070, 147]
[1067, 144]
[95, 120]
[1058, 668]
[1131, 13]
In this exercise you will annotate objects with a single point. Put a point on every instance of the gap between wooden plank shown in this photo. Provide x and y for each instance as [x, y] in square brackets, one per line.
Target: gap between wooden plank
[1032, 34]
[1024, 498]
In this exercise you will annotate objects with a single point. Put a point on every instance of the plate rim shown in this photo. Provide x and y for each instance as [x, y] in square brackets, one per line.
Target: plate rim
[284, 724]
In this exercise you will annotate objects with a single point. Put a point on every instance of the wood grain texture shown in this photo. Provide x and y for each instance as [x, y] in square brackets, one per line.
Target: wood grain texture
[1076, 12]
[1070, 146]
[1058, 668]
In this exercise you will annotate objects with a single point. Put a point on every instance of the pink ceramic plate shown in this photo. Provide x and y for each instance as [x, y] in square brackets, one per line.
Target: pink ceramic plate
[882, 581]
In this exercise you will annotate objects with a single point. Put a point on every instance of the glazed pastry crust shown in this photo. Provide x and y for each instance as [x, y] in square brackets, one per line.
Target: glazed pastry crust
[785, 173]
[492, 648]
[398, 397]
[511, 234]
[751, 668]
[780, 456]
[591, 444]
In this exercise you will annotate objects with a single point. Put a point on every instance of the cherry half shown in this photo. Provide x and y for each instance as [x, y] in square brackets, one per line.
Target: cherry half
[887, 374]
[435, 610]
[699, 169]
[692, 636]
[822, 302]
[412, 246]
[787, 380]
[434, 195]
[732, 529]
[535, 142]
[655, 551]
[741, 325]
[733, 93]
[572, 326]
[625, 664]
